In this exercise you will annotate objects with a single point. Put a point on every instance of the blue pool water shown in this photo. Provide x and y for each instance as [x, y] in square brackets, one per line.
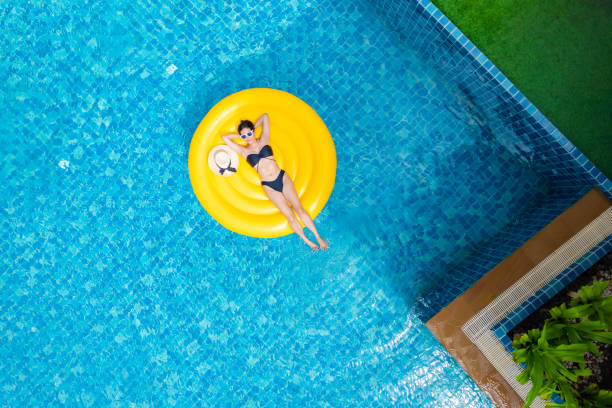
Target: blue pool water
[117, 288]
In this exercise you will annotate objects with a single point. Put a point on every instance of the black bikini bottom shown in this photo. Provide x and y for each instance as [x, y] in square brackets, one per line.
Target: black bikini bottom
[275, 184]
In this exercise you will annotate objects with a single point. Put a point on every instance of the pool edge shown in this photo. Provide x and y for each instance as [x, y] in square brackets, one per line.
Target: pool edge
[448, 325]
[454, 33]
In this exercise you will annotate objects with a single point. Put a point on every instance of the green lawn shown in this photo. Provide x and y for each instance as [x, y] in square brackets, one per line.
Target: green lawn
[558, 53]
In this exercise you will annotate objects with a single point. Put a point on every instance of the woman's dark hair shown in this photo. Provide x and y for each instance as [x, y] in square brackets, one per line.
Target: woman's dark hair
[245, 124]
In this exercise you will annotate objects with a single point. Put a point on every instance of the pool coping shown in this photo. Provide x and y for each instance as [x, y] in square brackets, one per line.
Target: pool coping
[445, 25]
[475, 346]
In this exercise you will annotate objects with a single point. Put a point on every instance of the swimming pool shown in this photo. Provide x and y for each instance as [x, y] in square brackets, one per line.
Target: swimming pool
[117, 288]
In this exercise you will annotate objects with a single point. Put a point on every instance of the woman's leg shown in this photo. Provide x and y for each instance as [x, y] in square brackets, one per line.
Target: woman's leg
[278, 199]
[291, 196]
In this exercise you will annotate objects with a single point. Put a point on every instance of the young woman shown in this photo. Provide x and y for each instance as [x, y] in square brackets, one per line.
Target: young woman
[276, 183]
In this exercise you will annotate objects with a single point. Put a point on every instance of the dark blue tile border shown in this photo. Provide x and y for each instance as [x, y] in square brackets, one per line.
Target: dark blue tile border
[442, 22]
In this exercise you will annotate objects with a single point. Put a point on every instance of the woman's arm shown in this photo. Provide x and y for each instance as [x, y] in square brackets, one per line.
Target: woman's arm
[265, 130]
[234, 146]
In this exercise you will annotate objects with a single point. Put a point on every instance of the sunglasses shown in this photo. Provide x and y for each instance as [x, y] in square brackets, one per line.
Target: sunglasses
[245, 135]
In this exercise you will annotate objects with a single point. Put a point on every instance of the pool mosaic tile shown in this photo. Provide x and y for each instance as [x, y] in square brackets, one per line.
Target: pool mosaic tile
[505, 115]
[117, 288]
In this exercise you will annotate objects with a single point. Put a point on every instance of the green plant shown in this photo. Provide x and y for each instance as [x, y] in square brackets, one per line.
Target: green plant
[545, 365]
[591, 397]
[578, 332]
[565, 338]
[596, 307]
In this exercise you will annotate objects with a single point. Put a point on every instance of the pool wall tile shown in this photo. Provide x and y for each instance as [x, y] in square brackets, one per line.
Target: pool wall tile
[512, 120]
[133, 288]
[453, 64]
[120, 228]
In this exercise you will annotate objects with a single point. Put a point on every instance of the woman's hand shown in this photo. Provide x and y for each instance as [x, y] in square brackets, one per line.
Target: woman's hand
[234, 146]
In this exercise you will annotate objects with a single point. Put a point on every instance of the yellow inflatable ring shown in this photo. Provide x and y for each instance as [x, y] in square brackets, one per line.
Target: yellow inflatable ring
[302, 147]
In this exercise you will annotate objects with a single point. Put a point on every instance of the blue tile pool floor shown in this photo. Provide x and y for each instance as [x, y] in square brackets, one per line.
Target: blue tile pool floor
[117, 288]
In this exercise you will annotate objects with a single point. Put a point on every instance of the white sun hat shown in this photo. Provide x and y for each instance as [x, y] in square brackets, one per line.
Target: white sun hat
[223, 161]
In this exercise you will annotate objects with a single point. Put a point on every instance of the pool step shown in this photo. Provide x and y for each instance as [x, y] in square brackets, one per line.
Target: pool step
[464, 327]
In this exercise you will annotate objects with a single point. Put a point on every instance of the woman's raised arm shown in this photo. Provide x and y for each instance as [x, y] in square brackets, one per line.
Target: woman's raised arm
[265, 130]
[234, 146]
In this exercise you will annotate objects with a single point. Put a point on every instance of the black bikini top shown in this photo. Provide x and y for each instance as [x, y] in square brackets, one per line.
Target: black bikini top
[254, 158]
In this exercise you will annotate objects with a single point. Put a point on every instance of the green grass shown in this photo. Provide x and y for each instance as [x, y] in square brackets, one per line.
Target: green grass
[558, 53]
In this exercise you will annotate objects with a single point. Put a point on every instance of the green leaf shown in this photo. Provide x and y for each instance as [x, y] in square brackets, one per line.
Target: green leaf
[533, 335]
[577, 312]
[522, 341]
[604, 397]
[537, 376]
[556, 330]
[548, 389]
[569, 395]
[557, 312]
[585, 293]
[592, 397]
[588, 294]
[570, 352]
[531, 396]
[560, 374]
[520, 355]
[599, 287]
[603, 337]
[543, 341]
[572, 334]
[589, 325]
[516, 340]
[523, 377]
[586, 372]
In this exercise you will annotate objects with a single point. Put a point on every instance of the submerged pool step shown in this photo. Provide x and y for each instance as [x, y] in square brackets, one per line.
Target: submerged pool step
[465, 327]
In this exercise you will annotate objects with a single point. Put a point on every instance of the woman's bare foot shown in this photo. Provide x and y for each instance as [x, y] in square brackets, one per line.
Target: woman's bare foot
[322, 243]
[311, 244]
